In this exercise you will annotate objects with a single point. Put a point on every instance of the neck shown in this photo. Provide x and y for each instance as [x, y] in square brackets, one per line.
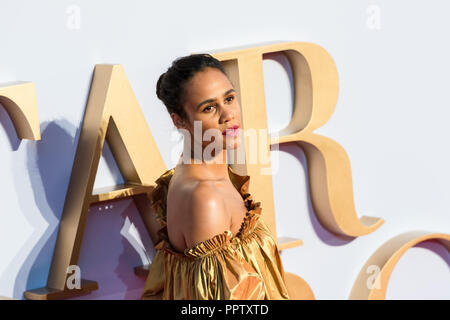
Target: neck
[215, 168]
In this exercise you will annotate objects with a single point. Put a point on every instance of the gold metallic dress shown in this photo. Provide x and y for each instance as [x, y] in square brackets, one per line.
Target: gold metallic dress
[244, 266]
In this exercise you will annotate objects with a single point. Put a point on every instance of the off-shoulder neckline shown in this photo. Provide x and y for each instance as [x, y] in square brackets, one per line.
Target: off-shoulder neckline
[158, 202]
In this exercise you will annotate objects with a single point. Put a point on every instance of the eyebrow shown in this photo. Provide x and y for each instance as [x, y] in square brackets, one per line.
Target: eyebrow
[212, 100]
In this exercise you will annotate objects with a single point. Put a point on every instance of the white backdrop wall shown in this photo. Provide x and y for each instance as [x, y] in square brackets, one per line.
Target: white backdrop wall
[391, 118]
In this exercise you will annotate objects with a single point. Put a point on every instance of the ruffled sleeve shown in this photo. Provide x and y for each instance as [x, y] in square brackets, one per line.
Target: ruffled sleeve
[213, 269]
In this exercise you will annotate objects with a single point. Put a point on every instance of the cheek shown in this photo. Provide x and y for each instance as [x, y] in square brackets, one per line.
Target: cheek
[212, 133]
[238, 111]
[209, 131]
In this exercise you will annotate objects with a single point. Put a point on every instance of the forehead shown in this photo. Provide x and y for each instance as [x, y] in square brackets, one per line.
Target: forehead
[209, 83]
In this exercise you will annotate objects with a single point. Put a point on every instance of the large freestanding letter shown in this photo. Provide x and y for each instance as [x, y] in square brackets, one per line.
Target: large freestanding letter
[19, 100]
[316, 91]
[112, 113]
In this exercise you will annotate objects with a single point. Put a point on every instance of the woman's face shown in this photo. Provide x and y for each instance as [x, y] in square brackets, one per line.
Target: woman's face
[211, 101]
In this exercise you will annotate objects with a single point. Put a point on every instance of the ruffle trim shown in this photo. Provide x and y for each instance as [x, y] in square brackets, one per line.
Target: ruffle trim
[158, 200]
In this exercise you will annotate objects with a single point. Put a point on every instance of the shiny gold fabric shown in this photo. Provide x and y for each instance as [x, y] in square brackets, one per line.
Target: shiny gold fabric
[244, 266]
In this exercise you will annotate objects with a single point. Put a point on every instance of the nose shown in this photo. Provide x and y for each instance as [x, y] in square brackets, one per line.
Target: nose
[227, 114]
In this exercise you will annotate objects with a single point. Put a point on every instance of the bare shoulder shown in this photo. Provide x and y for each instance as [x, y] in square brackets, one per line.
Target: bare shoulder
[206, 216]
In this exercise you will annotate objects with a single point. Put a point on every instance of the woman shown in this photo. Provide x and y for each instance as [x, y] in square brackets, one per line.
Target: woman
[213, 243]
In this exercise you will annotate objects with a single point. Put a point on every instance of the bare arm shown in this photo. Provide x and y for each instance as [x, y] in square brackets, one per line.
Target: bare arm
[207, 215]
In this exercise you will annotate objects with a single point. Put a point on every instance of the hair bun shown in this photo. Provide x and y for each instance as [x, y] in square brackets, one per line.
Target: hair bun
[159, 84]
[170, 87]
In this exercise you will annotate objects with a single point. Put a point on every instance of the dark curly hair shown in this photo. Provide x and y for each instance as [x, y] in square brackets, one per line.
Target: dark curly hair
[170, 85]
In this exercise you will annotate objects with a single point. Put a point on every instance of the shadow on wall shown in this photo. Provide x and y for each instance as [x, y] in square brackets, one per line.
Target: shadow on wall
[7, 124]
[110, 258]
[106, 255]
[296, 151]
[437, 247]
[324, 235]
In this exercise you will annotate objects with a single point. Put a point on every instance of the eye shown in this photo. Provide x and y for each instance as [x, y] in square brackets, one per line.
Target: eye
[208, 108]
[230, 98]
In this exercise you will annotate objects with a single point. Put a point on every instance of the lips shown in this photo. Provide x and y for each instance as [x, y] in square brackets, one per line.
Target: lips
[231, 131]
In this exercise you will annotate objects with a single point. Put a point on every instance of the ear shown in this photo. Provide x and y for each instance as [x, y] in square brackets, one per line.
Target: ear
[177, 121]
